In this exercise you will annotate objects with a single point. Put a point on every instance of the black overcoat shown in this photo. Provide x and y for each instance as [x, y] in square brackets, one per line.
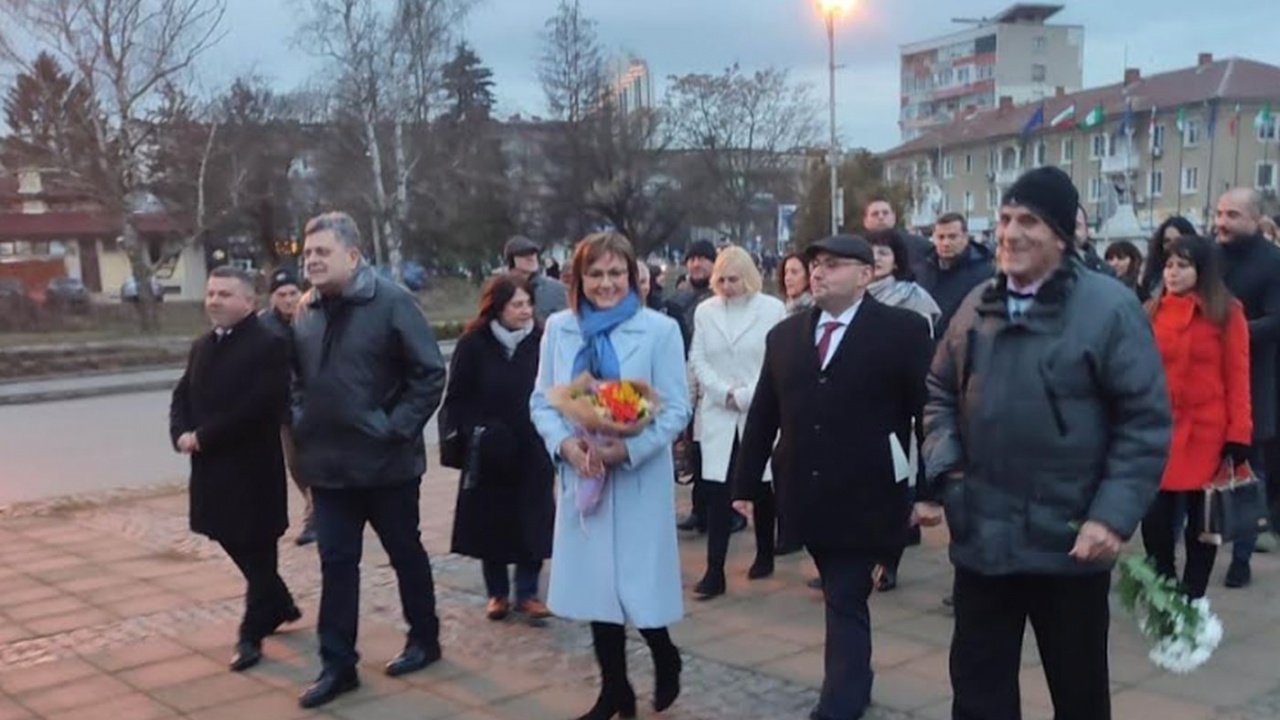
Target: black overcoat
[509, 516]
[233, 395]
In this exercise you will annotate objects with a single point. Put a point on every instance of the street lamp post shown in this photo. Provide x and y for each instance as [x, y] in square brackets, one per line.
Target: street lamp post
[830, 10]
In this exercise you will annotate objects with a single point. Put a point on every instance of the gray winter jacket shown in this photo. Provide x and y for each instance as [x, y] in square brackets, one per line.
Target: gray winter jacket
[550, 296]
[1054, 418]
[368, 375]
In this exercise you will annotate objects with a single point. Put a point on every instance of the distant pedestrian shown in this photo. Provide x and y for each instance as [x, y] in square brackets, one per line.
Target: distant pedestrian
[1125, 260]
[369, 376]
[793, 283]
[1153, 267]
[953, 267]
[285, 292]
[549, 294]
[225, 414]
[878, 215]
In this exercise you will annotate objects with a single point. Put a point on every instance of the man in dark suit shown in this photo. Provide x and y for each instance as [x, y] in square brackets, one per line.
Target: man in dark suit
[842, 381]
[226, 414]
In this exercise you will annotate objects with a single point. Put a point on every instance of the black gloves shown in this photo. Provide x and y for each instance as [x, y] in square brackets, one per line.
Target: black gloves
[1236, 453]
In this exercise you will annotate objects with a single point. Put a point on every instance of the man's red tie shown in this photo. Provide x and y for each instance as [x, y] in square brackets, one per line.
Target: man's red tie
[828, 329]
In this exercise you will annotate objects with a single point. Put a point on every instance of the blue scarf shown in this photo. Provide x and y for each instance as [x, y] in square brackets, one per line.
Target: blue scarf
[597, 355]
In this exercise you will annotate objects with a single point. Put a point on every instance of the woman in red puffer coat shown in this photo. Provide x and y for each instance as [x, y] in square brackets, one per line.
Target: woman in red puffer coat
[1204, 344]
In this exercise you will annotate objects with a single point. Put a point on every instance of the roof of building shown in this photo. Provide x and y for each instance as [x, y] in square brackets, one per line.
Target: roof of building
[1027, 12]
[1232, 79]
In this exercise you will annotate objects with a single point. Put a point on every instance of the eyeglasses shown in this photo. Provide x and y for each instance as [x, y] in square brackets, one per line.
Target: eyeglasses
[598, 275]
[832, 263]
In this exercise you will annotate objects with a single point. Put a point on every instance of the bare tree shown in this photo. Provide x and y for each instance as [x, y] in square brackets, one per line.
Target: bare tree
[129, 52]
[385, 59]
[750, 132]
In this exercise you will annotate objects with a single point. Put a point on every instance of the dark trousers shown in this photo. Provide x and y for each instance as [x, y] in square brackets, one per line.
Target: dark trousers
[698, 492]
[1242, 550]
[340, 517]
[720, 513]
[497, 579]
[266, 599]
[1070, 617]
[1159, 536]
[847, 675]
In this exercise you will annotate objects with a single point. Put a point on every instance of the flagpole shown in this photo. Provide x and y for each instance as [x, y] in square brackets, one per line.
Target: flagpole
[1151, 144]
[1235, 180]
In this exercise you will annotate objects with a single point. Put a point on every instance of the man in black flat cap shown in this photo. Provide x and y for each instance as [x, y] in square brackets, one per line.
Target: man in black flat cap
[841, 381]
[1046, 433]
[285, 293]
[550, 296]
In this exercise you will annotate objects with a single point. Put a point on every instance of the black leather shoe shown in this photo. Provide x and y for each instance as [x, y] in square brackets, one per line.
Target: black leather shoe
[414, 658]
[787, 549]
[1239, 575]
[761, 568]
[290, 615]
[692, 523]
[328, 687]
[888, 581]
[248, 654]
[306, 537]
[711, 585]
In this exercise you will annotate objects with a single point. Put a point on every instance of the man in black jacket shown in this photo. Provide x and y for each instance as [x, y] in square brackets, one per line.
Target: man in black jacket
[278, 318]
[225, 414]
[699, 260]
[1085, 247]
[368, 376]
[844, 380]
[879, 215]
[1251, 269]
[953, 267]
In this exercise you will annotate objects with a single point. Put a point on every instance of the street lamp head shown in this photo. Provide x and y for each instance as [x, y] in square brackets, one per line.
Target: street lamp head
[835, 8]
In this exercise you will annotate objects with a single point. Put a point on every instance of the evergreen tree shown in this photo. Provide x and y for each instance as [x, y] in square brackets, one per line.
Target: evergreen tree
[51, 116]
[468, 85]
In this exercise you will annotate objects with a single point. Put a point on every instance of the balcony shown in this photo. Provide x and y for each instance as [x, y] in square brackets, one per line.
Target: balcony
[1007, 177]
[1120, 164]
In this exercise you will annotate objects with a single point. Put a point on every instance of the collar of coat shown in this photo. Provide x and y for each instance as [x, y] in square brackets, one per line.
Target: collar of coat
[1049, 299]
[359, 290]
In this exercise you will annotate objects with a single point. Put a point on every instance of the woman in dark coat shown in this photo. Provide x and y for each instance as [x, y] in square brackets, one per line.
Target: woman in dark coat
[1169, 230]
[506, 511]
[1125, 260]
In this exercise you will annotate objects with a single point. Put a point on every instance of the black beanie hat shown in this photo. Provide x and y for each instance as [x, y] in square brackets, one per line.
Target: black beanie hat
[1049, 193]
[701, 249]
[282, 277]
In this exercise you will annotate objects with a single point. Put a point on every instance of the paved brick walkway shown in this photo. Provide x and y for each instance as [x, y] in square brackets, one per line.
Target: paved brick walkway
[113, 610]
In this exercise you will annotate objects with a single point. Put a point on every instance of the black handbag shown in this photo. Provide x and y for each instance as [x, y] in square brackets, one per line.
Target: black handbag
[1235, 505]
[453, 443]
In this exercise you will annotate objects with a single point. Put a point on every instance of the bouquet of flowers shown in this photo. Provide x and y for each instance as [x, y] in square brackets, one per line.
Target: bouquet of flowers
[602, 408]
[1184, 631]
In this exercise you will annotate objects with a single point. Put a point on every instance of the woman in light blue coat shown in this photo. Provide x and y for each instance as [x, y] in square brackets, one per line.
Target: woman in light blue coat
[618, 562]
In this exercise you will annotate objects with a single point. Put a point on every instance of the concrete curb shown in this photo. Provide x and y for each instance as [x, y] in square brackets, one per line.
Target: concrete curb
[124, 388]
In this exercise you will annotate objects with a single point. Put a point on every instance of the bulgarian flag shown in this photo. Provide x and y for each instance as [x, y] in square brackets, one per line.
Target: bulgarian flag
[1067, 115]
[1263, 118]
[1094, 118]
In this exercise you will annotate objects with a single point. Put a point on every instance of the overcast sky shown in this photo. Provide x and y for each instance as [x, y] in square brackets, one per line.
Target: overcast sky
[682, 36]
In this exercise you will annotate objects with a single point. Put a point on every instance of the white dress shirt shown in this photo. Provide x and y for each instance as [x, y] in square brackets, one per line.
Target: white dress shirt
[837, 336]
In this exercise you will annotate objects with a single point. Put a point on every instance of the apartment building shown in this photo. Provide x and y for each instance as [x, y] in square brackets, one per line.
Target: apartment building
[1012, 54]
[1160, 145]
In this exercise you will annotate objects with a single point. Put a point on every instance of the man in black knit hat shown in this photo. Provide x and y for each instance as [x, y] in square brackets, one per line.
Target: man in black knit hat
[1046, 433]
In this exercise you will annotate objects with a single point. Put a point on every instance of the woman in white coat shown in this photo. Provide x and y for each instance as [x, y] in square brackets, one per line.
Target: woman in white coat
[619, 562]
[726, 357]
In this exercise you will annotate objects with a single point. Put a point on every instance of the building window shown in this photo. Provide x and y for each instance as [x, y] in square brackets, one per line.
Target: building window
[1038, 44]
[6, 248]
[1266, 179]
[1155, 183]
[946, 203]
[993, 199]
[948, 166]
[968, 163]
[1095, 189]
[1190, 180]
[1038, 73]
[968, 201]
[1267, 130]
[1040, 154]
[985, 44]
[1068, 150]
[1157, 137]
[1099, 149]
[1191, 133]
[962, 76]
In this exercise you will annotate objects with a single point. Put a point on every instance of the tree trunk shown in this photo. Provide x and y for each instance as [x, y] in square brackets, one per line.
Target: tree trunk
[379, 190]
[147, 302]
[394, 238]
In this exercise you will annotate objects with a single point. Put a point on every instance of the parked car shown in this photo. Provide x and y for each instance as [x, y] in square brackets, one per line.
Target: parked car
[129, 290]
[18, 311]
[67, 293]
